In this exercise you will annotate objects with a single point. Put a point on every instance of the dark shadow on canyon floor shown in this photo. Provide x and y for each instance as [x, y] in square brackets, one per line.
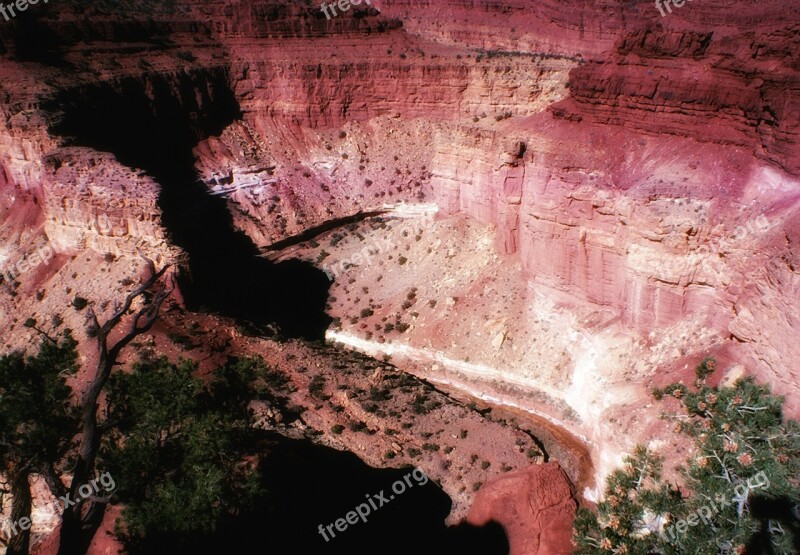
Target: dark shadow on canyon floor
[767, 512]
[308, 485]
[153, 123]
[316, 231]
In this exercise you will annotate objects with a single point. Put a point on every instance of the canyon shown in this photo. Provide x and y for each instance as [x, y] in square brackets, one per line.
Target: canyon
[577, 201]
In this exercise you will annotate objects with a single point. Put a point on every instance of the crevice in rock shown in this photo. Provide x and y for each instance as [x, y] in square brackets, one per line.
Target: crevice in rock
[318, 230]
[153, 122]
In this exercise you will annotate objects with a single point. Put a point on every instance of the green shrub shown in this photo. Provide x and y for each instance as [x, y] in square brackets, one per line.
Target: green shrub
[745, 455]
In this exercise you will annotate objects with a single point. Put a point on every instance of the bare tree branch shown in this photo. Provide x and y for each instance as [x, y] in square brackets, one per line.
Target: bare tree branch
[133, 295]
[44, 333]
[78, 525]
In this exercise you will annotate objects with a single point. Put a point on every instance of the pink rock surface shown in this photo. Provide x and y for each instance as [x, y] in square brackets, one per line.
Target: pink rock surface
[534, 506]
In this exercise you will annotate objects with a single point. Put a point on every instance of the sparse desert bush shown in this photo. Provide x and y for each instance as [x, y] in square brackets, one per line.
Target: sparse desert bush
[316, 386]
[378, 395]
[356, 426]
[180, 339]
[418, 404]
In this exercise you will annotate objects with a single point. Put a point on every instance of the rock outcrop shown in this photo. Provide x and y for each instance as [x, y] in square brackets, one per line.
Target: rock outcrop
[534, 506]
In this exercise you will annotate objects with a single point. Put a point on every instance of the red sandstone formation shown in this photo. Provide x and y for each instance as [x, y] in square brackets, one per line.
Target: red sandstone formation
[623, 163]
[535, 507]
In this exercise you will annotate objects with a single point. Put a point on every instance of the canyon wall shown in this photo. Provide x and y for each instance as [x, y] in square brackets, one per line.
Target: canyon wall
[643, 168]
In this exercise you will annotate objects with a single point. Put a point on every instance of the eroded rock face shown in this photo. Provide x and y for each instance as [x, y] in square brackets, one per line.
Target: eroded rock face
[534, 506]
[624, 189]
[94, 202]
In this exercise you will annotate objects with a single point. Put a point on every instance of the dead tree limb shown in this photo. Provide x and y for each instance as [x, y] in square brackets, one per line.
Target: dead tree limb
[81, 520]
